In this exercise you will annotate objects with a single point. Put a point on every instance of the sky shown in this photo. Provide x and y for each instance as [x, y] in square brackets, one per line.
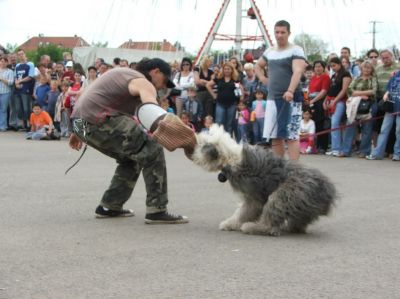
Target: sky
[336, 22]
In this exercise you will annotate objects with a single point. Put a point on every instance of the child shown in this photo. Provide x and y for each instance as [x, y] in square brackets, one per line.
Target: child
[165, 105]
[242, 121]
[61, 112]
[185, 120]
[258, 111]
[41, 124]
[307, 131]
[40, 92]
[193, 107]
[51, 98]
[208, 121]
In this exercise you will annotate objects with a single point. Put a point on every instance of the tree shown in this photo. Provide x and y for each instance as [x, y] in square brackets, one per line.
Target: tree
[54, 51]
[100, 44]
[314, 48]
[178, 46]
[11, 47]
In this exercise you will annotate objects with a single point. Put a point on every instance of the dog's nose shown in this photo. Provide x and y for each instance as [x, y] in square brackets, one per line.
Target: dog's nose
[210, 151]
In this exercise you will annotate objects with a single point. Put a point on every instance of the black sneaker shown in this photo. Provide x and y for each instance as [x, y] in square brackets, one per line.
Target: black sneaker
[102, 212]
[165, 218]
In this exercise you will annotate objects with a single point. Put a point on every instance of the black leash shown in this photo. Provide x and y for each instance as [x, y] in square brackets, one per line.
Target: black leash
[77, 161]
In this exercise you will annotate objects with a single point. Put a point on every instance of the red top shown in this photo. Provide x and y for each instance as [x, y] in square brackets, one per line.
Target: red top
[318, 83]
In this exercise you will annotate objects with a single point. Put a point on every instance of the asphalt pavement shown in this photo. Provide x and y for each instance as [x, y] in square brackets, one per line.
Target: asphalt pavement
[52, 246]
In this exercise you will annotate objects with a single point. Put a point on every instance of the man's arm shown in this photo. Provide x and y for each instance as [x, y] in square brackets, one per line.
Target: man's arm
[144, 89]
[298, 67]
[259, 67]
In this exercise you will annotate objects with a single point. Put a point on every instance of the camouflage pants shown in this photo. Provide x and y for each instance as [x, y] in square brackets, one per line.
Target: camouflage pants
[121, 138]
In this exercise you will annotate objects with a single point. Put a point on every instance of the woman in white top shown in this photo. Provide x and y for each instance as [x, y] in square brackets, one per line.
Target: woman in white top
[183, 79]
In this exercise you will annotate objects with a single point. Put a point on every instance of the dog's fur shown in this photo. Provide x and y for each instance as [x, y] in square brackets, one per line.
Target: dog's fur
[278, 195]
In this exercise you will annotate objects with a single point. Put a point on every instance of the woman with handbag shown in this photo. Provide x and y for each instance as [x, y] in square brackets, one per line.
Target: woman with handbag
[364, 87]
[392, 95]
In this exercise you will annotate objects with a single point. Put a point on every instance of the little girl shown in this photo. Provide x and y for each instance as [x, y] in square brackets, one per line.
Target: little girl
[208, 121]
[307, 131]
[243, 120]
[258, 110]
[185, 120]
[61, 112]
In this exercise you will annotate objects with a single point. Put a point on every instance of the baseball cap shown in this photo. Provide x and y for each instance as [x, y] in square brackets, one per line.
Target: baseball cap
[146, 65]
[69, 64]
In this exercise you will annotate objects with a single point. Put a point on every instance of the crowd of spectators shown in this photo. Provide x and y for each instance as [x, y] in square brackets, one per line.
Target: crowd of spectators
[349, 107]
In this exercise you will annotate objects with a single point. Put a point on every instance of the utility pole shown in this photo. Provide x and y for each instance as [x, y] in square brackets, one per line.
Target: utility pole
[374, 32]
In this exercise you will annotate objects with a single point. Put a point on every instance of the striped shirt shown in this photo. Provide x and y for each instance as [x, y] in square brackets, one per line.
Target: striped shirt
[8, 75]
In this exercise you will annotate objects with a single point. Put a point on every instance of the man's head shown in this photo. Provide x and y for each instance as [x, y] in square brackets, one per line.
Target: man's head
[103, 68]
[21, 55]
[157, 71]
[282, 32]
[386, 57]
[345, 52]
[124, 63]
[97, 63]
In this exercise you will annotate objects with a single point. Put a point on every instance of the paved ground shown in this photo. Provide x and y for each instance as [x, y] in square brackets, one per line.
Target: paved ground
[51, 246]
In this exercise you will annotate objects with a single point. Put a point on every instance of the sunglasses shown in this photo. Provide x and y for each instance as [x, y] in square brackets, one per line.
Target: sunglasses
[372, 57]
[183, 64]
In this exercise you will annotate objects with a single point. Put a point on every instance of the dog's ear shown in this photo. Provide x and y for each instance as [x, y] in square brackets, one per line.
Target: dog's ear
[210, 152]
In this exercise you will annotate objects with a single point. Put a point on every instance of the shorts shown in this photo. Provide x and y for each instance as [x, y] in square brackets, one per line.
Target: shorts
[282, 119]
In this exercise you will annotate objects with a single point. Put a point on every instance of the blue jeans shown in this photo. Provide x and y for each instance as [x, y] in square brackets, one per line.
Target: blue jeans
[258, 127]
[366, 136]
[21, 108]
[225, 116]
[387, 124]
[336, 136]
[242, 130]
[4, 99]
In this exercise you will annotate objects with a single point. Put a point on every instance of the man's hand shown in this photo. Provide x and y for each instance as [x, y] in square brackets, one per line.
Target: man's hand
[74, 142]
[288, 96]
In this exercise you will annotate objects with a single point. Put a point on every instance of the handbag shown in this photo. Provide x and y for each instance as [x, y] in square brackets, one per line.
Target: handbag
[385, 106]
[364, 107]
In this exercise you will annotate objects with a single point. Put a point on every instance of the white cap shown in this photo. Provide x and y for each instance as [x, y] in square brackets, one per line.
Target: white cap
[69, 64]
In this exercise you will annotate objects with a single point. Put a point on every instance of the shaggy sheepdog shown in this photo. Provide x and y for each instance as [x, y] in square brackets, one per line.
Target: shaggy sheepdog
[277, 195]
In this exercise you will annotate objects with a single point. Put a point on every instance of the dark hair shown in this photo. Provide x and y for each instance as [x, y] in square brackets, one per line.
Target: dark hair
[4, 57]
[309, 67]
[91, 68]
[101, 59]
[372, 51]
[283, 23]
[307, 108]
[342, 71]
[36, 104]
[260, 91]
[117, 60]
[187, 60]
[146, 65]
[78, 68]
[319, 62]
[347, 48]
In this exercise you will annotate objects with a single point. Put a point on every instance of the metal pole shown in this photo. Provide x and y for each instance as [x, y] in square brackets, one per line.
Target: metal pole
[238, 40]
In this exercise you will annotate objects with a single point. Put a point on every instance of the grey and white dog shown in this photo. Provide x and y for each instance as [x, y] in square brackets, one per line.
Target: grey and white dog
[277, 195]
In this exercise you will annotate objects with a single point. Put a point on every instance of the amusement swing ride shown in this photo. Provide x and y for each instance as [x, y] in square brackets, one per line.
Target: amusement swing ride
[253, 13]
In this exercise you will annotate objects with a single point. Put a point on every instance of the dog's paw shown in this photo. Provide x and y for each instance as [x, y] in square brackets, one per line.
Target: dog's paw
[249, 228]
[275, 232]
[228, 225]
